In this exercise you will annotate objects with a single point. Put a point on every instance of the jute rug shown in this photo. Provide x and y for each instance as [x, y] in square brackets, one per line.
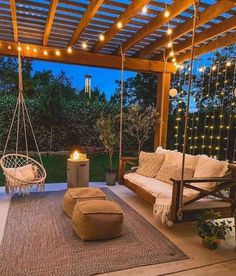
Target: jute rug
[39, 240]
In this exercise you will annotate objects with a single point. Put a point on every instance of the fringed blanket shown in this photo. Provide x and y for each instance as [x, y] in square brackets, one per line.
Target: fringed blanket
[161, 210]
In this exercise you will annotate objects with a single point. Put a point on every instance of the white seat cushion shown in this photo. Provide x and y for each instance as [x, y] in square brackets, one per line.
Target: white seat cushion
[25, 173]
[156, 187]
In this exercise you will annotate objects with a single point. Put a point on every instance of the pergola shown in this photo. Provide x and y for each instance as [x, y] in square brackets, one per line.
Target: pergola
[94, 32]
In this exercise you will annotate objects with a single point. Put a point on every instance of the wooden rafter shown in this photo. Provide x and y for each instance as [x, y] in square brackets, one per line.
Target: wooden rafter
[50, 18]
[211, 46]
[14, 20]
[88, 15]
[229, 24]
[86, 58]
[124, 18]
[210, 13]
[175, 9]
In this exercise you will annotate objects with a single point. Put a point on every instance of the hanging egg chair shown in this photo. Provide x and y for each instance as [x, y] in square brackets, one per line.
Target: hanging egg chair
[22, 172]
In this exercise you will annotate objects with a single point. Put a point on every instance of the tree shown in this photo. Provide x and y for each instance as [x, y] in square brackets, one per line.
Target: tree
[106, 129]
[139, 123]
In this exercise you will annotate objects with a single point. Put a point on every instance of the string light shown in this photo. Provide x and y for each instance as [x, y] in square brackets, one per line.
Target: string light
[69, 50]
[119, 25]
[19, 48]
[84, 45]
[144, 9]
[45, 52]
[171, 54]
[34, 50]
[170, 44]
[228, 63]
[214, 67]
[58, 53]
[169, 31]
[166, 13]
[101, 37]
[27, 48]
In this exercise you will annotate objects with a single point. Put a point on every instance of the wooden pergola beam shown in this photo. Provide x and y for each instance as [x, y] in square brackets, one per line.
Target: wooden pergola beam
[175, 9]
[210, 13]
[14, 20]
[50, 18]
[124, 18]
[218, 29]
[211, 46]
[84, 21]
[86, 58]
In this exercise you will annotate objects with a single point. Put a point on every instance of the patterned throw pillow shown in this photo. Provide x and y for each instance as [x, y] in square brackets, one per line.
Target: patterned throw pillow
[149, 163]
[170, 170]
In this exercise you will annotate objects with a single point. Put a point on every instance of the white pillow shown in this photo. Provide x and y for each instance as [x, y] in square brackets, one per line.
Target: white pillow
[177, 158]
[209, 167]
[171, 170]
[25, 173]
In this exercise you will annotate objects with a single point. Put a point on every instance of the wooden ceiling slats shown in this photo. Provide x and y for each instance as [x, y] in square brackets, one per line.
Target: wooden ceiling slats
[176, 8]
[211, 12]
[31, 17]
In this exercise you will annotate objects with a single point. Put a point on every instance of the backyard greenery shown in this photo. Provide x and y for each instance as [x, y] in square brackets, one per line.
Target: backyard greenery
[56, 168]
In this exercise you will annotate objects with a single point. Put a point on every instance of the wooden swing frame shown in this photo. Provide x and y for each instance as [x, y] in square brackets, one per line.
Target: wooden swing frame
[223, 183]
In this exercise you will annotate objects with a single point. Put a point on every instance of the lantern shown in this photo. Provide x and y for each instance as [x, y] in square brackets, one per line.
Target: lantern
[173, 92]
[87, 85]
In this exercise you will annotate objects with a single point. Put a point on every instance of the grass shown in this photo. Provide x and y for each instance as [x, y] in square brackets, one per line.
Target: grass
[56, 167]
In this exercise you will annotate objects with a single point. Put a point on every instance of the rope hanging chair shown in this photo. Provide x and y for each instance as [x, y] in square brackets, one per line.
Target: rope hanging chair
[22, 172]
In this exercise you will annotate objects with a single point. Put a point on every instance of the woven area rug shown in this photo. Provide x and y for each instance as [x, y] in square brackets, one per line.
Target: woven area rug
[39, 240]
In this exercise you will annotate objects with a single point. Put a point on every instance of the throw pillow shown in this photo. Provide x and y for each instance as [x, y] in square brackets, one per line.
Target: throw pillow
[23, 173]
[209, 167]
[170, 170]
[149, 163]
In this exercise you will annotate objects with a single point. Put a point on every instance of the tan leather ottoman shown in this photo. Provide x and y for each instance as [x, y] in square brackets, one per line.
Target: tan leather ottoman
[73, 195]
[97, 220]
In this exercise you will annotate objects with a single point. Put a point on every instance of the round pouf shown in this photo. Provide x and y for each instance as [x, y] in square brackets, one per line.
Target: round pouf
[97, 220]
[73, 195]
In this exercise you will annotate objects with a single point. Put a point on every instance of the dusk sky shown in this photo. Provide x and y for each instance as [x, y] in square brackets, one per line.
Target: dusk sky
[102, 78]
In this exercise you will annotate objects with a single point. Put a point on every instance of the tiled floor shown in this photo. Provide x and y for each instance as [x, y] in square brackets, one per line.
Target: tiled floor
[202, 261]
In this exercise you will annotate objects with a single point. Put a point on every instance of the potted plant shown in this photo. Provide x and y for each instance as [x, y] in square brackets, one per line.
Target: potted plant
[211, 231]
[106, 129]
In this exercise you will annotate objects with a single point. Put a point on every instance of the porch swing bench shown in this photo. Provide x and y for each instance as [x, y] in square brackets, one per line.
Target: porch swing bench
[221, 198]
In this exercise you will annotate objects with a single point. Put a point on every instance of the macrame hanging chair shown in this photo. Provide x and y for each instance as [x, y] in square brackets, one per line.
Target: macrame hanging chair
[22, 172]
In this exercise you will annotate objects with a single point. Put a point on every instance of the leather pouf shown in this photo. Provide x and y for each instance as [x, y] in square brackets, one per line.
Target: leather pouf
[73, 195]
[97, 220]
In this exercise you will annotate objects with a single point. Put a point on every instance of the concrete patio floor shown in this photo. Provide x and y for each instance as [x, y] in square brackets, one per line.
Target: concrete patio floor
[201, 261]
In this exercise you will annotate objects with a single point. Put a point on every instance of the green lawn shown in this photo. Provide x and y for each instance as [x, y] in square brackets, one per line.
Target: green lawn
[56, 168]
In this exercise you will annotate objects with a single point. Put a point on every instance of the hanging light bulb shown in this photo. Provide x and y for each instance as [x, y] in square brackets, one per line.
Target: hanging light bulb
[166, 13]
[69, 50]
[84, 45]
[101, 37]
[169, 31]
[27, 48]
[34, 50]
[228, 63]
[173, 92]
[119, 25]
[45, 52]
[58, 53]
[170, 44]
[19, 48]
[171, 54]
[9, 47]
[213, 67]
[144, 9]
[173, 60]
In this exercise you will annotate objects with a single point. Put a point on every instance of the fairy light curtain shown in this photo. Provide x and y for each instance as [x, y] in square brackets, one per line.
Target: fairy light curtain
[212, 118]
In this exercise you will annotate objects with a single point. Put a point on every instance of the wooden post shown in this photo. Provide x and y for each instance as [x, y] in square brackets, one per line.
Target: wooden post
[162, 108]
